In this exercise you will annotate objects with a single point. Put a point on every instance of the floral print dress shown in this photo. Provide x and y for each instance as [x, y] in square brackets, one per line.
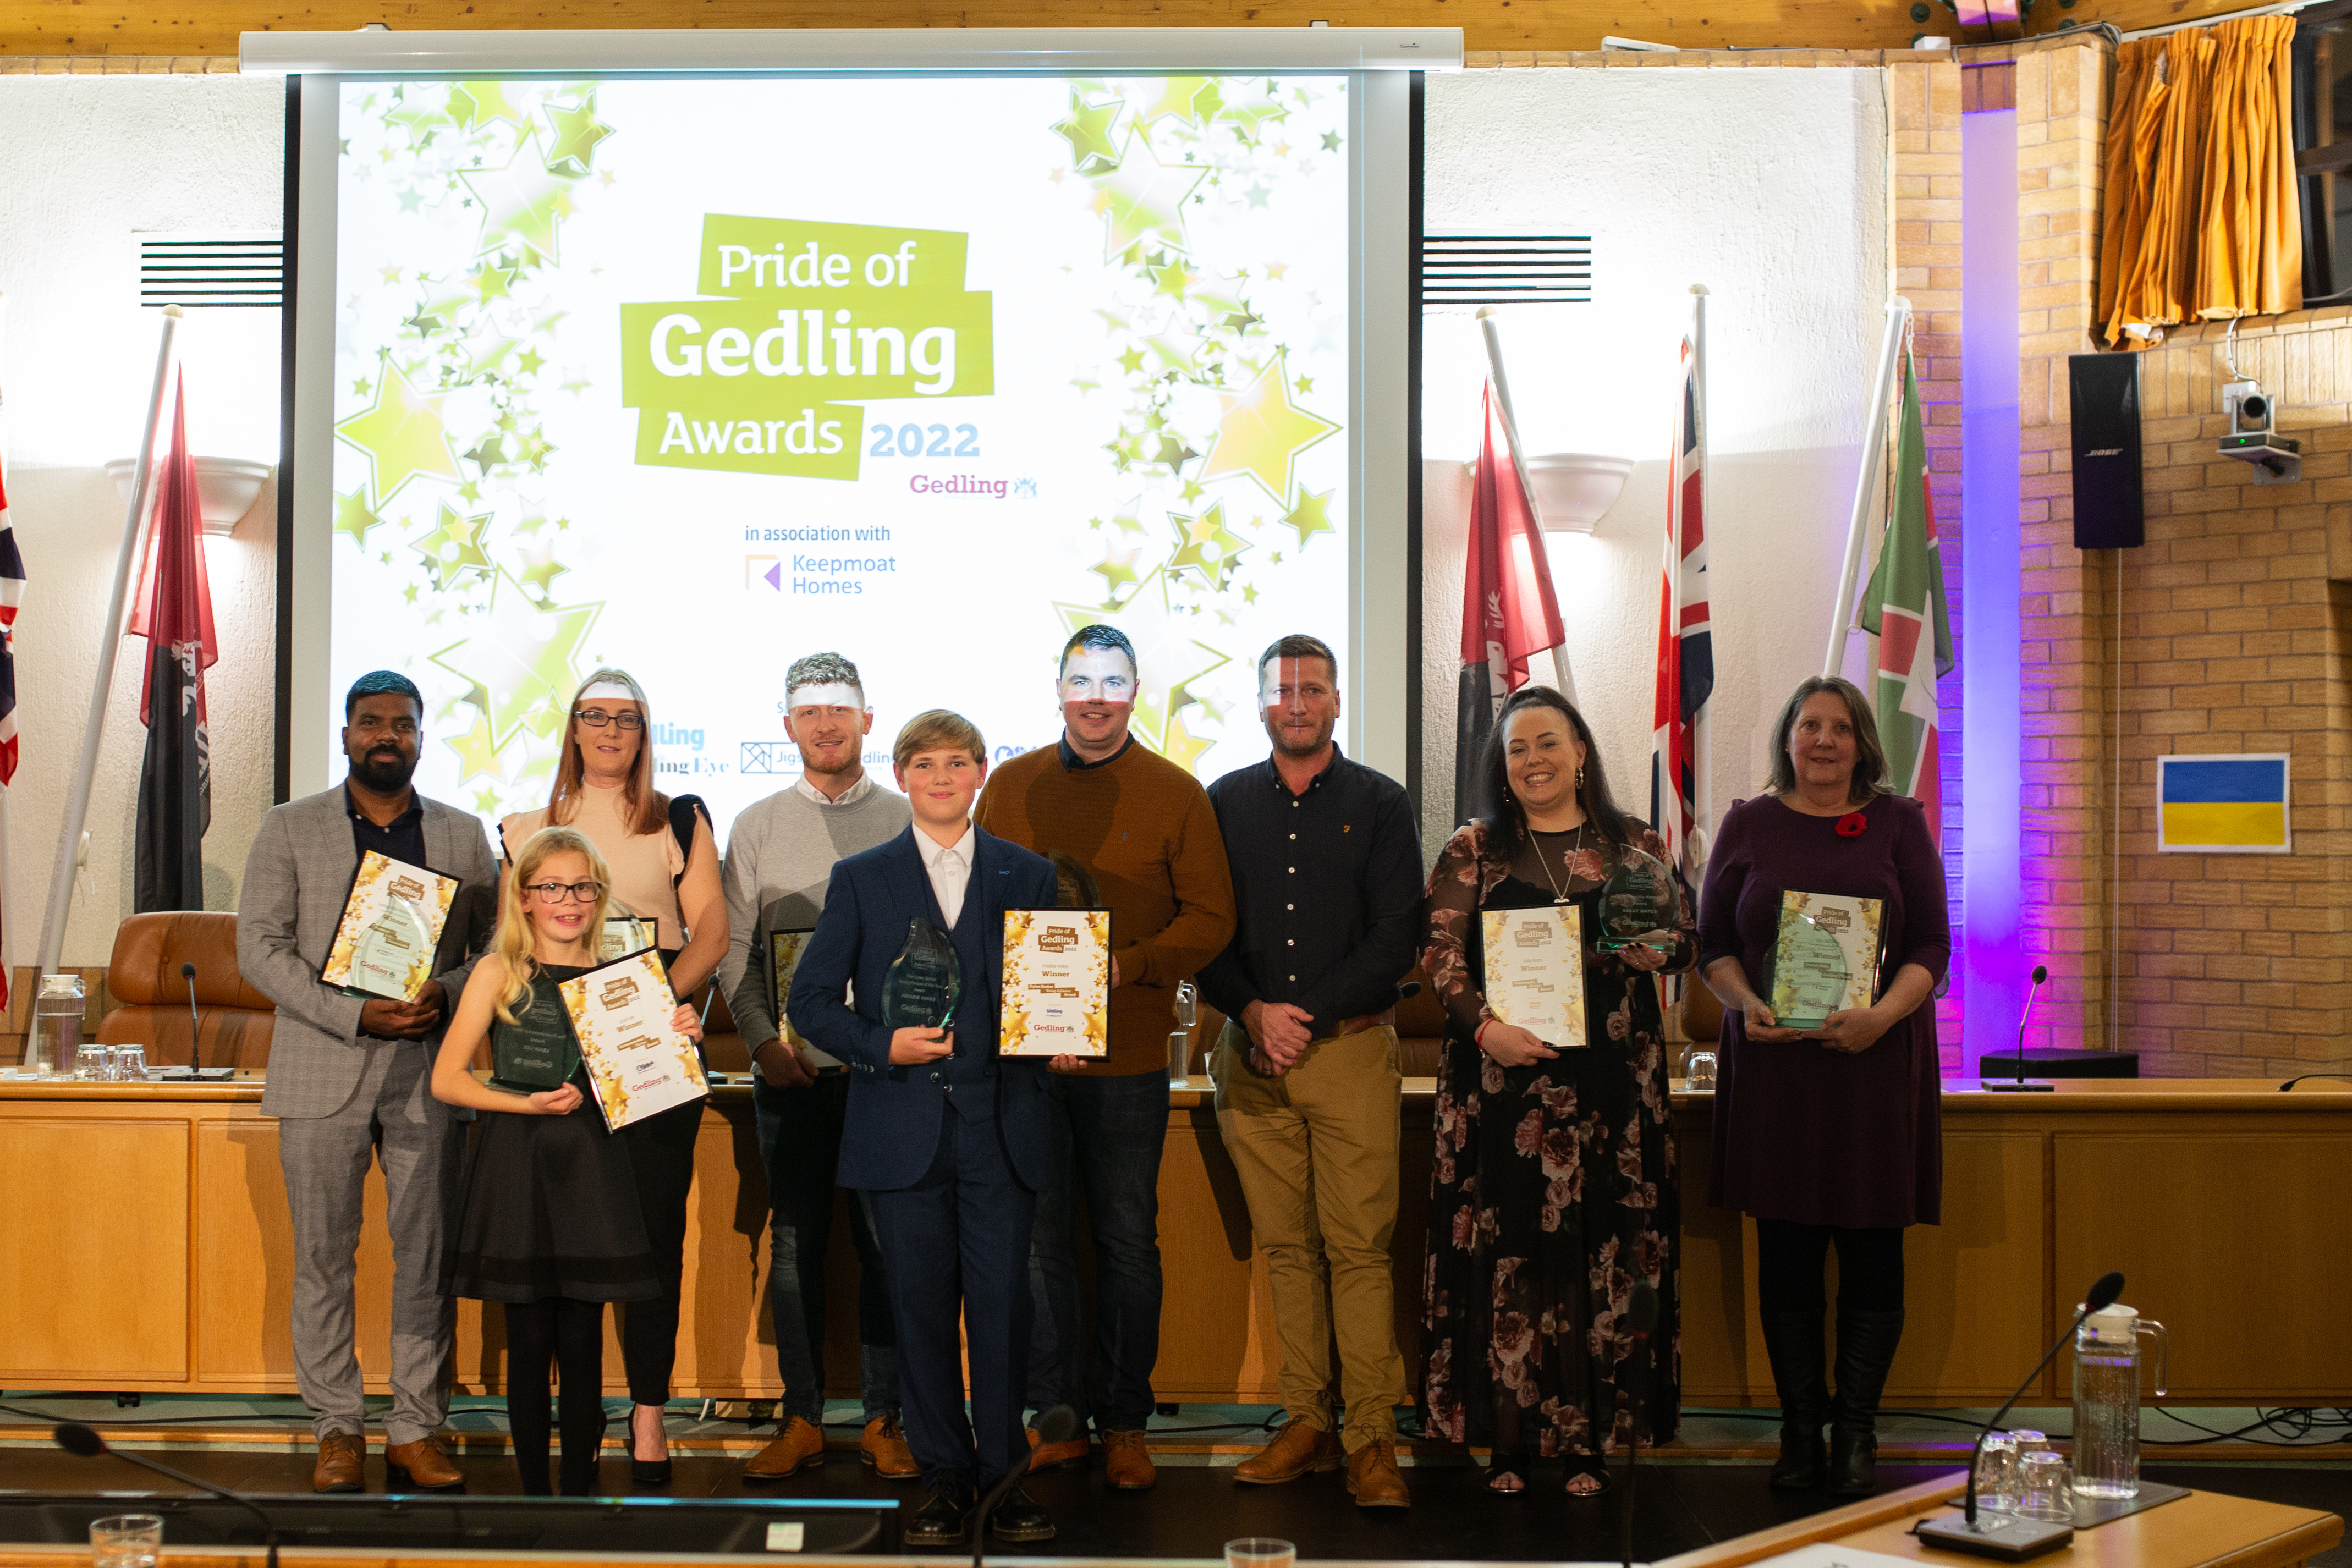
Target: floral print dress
[1553, 1187]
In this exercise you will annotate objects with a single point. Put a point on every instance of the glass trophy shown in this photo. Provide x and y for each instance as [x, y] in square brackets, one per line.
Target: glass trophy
[921, 988]
[1073, 885]
[1811, 977]
[536, 1051]
[1639, 898]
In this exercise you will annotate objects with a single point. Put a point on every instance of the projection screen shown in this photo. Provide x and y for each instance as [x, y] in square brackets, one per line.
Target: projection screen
[695, 369]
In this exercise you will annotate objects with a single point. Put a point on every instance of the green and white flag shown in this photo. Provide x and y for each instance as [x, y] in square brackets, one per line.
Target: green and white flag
[1905, 607]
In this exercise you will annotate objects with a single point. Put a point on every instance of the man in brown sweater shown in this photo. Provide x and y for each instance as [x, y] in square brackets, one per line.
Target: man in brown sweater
[1135, 834]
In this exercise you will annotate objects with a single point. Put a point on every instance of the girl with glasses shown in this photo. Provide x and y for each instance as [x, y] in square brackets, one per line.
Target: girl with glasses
[664, 863]
[549, 1225]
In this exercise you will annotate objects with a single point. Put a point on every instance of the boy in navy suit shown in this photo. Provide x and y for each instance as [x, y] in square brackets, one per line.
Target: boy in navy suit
[951, 1144]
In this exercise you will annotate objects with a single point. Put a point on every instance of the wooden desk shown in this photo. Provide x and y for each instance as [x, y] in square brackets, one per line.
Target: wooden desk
[2199, 1529]
[154, 1218]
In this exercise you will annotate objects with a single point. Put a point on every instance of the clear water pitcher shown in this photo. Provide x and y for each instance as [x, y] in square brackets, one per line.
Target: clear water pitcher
[2107, 1349]
[56, 1036]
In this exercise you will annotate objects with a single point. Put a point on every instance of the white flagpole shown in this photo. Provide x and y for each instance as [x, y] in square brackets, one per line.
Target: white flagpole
[1702, 752]
[1561, 677]
[61, 874]
[1865, 488]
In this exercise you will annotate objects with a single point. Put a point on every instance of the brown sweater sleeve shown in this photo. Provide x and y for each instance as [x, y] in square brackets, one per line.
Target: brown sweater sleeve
[1203, 886]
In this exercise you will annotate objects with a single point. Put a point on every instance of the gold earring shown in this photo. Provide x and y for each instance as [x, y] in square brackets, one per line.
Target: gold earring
[1580, 776]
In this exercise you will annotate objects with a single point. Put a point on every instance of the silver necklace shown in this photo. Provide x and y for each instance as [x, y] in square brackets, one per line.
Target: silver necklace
[1560, 894]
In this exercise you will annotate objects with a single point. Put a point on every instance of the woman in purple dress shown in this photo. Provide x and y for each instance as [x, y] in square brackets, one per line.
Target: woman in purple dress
[1830, 1134]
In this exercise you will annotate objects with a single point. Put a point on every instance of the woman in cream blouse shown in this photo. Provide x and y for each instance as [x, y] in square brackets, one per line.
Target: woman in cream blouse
[605, 788]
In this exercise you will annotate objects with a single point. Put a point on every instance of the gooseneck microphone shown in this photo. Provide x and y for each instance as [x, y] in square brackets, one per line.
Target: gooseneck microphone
[82, 1442]
[196, 1024]
[1058, 1425]
[2021, 1083]
[2009, 1536]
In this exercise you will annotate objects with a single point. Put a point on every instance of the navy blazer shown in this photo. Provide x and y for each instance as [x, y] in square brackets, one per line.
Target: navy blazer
[892, 1129]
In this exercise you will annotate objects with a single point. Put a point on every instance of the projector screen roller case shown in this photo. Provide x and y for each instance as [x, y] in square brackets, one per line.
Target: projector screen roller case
[695, 376]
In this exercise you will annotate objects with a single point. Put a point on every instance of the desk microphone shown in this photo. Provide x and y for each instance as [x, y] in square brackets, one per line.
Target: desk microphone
[2309, 1076]
[82, 1442]
[1058, 1425]
[1641, 1316]
[2021, 1083]
[2009, 1536]
[196, 1024]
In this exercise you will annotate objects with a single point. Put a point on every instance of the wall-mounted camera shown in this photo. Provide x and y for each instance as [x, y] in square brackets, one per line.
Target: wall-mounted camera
[2253, 438]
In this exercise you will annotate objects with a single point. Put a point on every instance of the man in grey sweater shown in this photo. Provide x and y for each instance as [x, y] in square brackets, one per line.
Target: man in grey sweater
[779, 859]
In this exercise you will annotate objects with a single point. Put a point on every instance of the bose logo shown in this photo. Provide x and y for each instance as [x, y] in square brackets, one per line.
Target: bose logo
[2105, 451]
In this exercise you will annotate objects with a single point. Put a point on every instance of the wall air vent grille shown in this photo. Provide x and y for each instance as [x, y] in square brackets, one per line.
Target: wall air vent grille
[219, 271]
[1505, 269]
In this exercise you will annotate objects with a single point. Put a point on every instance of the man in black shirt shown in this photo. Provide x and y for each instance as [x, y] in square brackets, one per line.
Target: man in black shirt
[1326, 862]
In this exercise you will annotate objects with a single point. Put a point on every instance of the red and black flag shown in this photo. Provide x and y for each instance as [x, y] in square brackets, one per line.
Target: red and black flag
[175, 613]
[1508, 613]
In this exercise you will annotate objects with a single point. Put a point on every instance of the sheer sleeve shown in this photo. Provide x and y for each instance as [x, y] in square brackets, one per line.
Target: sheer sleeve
[1456, 886]
[1685, 952]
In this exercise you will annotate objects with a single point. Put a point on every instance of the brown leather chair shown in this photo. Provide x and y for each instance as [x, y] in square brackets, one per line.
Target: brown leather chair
[1702, 1014]
[144, 976]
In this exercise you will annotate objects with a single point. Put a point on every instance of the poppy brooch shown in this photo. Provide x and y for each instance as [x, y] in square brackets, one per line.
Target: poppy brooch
[1852, 824]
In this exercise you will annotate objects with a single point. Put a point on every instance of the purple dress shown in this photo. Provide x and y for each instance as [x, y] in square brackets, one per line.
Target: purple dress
[1803, 1133]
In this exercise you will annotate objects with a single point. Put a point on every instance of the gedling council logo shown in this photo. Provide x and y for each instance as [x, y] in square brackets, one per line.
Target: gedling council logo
[798, 314]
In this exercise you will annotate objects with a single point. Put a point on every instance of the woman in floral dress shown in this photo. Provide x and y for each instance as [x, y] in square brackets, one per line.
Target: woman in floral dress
[1553, 1197]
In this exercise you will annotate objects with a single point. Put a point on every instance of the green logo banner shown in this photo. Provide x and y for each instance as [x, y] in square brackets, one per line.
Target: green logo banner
[801, 318]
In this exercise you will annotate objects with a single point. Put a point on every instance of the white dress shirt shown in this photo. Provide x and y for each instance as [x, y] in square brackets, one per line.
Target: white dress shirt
[849, 797]
[949, 866]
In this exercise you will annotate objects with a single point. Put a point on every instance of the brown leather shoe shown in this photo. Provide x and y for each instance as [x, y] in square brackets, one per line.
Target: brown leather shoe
[1044, 1456]
[1127, 1463]
[800, 1445]
[341, 1465]
[1373, 1476]
[884, 1450]
[423, 1466]
[1296, 1448]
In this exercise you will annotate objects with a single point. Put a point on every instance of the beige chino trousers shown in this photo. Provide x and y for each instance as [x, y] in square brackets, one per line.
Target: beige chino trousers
[1317, 1152]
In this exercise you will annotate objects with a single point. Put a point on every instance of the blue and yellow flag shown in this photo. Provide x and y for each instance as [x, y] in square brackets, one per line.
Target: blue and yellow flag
[2227, 804]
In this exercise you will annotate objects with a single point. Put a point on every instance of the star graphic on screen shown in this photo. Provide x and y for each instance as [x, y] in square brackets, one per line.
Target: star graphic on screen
[1257, 194]
[454, 546]
[1182, 746]
[522, 203]
[1088, 132]
[1116, 567]
[540, 570]
[528, 362]
[522, 657]
[485, 802]
[1312, 515]
[1330, 141]
[1174, 278]
[1206, 547]
[577, 134]
[474, 104]
[418, 122]
[411, 200]
[402, 433]
[1262, 433]
[1131, 360]
[476, 753]
[1144, 199]
[1168, 658]
[352, 517]
[1192, 100]
[486, 454]
[491, 282]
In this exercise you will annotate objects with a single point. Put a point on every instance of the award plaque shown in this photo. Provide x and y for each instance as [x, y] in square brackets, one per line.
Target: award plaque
[391, 927]
[921, 988]
[624, 935]
[638, 1064]
[1056, 983]
[1824, 957]
[1640, 896]
[536, 1051]
[784, 950]
[1535, 971]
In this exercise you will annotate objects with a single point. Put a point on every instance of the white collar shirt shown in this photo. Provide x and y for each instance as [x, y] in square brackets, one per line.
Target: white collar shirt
[949, 867]
[849, 797]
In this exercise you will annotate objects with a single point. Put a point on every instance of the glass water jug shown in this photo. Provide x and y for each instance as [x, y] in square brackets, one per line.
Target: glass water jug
[2107, 1349]
[56, 1037]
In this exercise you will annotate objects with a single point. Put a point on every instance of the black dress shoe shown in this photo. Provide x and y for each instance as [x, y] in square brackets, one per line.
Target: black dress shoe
[940, 1522]
[1019, 1519]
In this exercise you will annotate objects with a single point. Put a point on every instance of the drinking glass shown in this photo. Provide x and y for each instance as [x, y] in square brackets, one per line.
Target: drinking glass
[1699, 1073]
[1997, 1473]
[125, 1541]
[93, 1062]
[1260, 1552]
[131, 1063]
[2044, 1488]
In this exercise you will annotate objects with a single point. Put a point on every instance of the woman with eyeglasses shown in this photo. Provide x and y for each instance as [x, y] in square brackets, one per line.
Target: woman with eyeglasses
[549, 1226]
[664, 861]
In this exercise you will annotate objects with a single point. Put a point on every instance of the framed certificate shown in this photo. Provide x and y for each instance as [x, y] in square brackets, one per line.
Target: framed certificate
[534, 1052]
[637, 1065]
[784, 950]
[624, 935]
[390, 930]
[1824, 957]
[1056, 999]
[1535, 971]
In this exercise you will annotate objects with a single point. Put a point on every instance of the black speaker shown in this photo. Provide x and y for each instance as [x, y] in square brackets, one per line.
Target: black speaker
[2103, 390]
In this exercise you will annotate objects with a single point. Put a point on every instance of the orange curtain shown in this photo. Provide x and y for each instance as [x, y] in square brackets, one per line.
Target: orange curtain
[2201, 220]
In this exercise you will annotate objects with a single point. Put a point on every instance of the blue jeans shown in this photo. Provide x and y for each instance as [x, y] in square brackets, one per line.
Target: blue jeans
[800, 1145]
[1107, 1137]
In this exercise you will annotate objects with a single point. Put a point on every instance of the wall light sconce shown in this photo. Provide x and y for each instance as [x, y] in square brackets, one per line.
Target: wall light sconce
[226, 487]
[1574, 490]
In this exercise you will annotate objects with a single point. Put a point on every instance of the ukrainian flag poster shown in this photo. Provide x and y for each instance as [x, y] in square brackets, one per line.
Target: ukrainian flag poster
[2222, 805]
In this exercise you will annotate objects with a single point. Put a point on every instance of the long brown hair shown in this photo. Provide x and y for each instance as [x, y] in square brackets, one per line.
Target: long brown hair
[645, 809]
[1869, 780]
[1501, 808]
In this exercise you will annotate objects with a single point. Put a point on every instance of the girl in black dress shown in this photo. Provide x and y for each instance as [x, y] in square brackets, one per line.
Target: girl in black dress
[549, 1227]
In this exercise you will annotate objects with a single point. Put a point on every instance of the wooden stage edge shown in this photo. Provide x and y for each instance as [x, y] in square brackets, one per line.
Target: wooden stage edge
[2203, 1529]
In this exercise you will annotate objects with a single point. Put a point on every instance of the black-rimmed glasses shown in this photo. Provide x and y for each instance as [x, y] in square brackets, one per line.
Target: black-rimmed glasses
[597, 719]
[560, 891]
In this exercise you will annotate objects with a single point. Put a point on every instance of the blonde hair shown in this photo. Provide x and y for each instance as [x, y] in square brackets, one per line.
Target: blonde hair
[515, 948]
[938, 730]
[646, 810]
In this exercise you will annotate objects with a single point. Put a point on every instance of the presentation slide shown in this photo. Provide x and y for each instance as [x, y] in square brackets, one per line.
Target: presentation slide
[693, 377]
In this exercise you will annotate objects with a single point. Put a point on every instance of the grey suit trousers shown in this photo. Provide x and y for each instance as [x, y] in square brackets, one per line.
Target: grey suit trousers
[393, 1117]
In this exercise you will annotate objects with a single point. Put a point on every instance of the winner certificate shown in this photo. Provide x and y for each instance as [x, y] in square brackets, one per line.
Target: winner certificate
[390, 930]
[1535, 971]
[637, 1065]
[784, 950]
[1824, 957]
[1056, 998]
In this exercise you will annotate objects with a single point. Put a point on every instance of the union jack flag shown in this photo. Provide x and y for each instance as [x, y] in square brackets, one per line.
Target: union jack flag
[1685, 637]
[12, 590]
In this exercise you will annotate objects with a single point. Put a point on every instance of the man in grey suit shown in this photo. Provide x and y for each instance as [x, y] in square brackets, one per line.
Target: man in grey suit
[349, 1078]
